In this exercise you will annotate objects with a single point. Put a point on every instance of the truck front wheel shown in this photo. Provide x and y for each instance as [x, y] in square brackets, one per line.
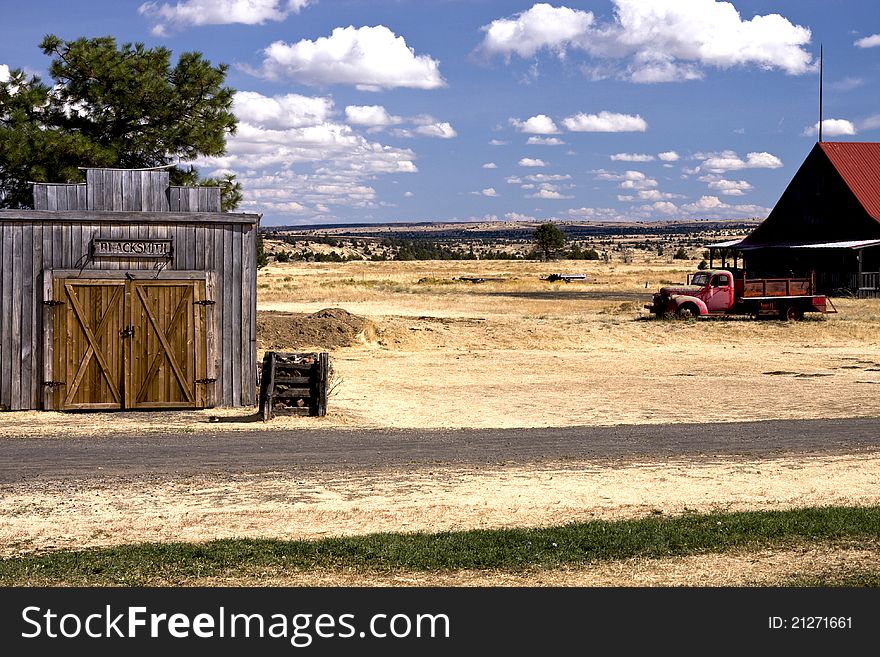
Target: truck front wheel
[792, 313]
[687, 311]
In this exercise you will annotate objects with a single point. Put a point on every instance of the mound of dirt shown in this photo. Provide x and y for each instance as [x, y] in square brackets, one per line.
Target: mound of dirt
[331, 327]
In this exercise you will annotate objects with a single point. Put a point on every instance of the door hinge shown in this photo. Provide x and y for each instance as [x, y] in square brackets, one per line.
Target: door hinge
[205, 381]
[204, 302]
[54, 384]
[53, 302]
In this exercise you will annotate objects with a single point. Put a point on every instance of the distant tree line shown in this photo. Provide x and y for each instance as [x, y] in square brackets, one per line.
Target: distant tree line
[406, 250]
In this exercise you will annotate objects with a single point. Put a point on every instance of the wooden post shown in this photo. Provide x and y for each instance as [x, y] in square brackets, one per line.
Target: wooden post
[267, 384]
[323, 374]
[859, 292]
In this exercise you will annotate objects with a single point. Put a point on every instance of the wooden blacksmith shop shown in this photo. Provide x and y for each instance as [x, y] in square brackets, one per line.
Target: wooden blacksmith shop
[127, 293]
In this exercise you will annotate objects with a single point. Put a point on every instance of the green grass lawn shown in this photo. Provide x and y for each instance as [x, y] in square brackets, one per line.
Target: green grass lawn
[150, 564]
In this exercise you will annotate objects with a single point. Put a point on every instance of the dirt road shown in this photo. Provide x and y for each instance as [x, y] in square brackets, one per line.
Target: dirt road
[370, 450]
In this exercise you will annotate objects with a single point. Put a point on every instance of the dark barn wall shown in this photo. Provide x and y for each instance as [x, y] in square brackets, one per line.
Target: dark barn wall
[220, 246]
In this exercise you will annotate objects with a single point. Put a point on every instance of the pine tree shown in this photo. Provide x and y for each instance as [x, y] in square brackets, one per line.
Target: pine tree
[549, 240]
[110, 106]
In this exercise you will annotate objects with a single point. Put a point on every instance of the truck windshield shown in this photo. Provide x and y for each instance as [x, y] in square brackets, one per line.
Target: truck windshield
[700, 279]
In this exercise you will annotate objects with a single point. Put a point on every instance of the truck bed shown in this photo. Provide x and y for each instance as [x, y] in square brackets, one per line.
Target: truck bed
[773, 287]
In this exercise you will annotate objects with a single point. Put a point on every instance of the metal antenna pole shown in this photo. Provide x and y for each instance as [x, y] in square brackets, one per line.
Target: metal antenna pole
[820, 92]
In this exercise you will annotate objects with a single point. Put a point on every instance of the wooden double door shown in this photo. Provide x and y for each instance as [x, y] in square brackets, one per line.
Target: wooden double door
[129, 344]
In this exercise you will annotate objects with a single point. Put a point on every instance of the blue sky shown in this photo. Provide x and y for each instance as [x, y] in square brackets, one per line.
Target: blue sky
[452, 110]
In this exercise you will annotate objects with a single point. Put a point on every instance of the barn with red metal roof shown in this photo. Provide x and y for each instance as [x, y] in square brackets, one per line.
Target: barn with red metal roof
[827, 221]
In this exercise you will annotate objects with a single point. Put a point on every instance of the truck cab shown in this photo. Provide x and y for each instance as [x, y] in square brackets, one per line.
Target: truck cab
[706, 292]
[717, 290]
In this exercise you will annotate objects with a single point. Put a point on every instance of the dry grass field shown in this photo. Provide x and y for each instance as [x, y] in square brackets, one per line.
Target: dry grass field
[522, 352]
[427, 349]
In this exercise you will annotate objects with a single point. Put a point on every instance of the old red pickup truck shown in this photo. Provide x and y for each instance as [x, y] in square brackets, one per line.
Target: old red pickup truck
[726, 292]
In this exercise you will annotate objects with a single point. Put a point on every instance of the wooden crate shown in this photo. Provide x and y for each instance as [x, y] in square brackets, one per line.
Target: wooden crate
[294, 384]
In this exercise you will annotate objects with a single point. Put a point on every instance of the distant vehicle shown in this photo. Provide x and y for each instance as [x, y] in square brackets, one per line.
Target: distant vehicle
[565, 277]
[721, 292]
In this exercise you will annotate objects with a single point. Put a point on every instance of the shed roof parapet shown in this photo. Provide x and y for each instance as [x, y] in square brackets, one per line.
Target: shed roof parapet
[107, 216]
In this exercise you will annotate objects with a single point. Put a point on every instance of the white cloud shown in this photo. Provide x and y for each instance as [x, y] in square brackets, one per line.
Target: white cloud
[545, 141]
[726, 187]
[548, 177]
[656, 40]
[648, 195]
[490, 165]
[549, 194]
[730, 161]
[428, 126]
[4, 73]
[668, 156]
[281, 112]
[869, 41]
[870, 123]
[831, 128]
[605, 122]
[218, 12]
[536, 125]
[638, 187]
[632, 157]
[489, 191]
[713, 207]
[603, 174]
[497, 142]
[529, 162]
[709, 33]
[408, 194]
[542, 26]
[664, 71]
[292, 157]
[762, 160]
[369, 58]
[374, 116]
[598, 214]
[664, 207]
[847, 84]
[516, 216]
[637, 180]
[706, 203]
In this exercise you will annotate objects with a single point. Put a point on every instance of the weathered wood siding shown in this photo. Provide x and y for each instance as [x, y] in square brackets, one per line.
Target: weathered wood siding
[126, 190]
[220, 247]
[194, 199]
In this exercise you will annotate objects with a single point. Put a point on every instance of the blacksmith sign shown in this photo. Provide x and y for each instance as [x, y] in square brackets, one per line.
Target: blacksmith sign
[132, 248]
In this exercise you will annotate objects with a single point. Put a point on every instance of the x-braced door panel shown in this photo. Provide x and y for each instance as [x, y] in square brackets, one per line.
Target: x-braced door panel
[162, 359]
[134, 344]
[88, 347]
